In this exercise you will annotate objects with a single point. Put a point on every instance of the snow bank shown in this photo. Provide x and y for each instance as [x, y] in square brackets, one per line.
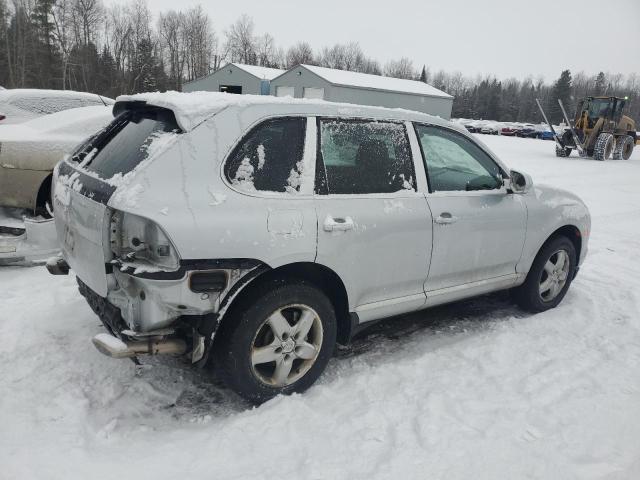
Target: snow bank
[475, 390]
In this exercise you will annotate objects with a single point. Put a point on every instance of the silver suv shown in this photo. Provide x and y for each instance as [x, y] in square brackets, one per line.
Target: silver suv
[257, 232]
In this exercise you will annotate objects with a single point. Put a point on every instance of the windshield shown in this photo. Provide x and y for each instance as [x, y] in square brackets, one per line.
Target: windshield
[125, 143]
[599, 107]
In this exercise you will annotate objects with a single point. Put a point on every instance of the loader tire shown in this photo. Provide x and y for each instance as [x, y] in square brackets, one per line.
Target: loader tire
[563, 151]
[604, 146]
[623, 148]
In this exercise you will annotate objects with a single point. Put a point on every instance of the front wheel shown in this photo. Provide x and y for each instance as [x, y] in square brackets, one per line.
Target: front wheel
[550, 276]
[278, 342]
[563, 151]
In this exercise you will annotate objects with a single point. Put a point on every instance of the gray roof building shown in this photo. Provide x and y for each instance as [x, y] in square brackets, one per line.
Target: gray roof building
[308, 81]
[236, 78]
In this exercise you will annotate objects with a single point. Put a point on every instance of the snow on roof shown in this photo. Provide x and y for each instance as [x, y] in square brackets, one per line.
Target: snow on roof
[74, 122]
[264, 73]
[193, 108]
[375, 82]
[11, 94]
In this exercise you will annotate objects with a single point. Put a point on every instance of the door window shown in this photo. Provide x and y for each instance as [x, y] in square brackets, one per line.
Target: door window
[270, 157]
[365, 157]
[456, 163]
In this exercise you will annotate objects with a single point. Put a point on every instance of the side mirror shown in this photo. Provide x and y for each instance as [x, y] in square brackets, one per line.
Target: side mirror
[519, 182]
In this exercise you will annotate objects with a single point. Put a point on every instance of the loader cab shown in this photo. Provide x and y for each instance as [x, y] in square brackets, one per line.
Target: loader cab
[594, 108]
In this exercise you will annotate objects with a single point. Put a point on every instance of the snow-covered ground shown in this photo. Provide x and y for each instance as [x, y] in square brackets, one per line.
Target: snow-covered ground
[475, 390]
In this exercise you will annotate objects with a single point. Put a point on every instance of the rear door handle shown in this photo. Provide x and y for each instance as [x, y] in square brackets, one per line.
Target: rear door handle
[338, 224]
[446, 218]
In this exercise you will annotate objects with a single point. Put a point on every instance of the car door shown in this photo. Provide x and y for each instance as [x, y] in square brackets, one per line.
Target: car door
[478, 226]
[374, 227]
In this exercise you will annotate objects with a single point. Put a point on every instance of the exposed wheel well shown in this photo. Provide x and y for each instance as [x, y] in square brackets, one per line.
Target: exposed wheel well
[44, 194]
[572, 233]
[320, 276]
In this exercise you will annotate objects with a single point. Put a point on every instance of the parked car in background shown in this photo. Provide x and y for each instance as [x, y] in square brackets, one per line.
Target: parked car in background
[30, 150]
[528, 130]
[546, 134]
[508, 130]
[20, 105]
[490, 128]
[293, 227]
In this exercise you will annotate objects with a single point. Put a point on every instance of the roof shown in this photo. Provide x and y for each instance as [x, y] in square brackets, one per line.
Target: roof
[375, 82]
[263, 73]
[191, 109]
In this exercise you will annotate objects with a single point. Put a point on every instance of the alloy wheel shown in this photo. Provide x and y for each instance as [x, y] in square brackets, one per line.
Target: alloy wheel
[286, 345]
[554, 275]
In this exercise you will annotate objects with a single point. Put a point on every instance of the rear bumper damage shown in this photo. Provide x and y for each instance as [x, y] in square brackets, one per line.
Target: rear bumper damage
[163, 312]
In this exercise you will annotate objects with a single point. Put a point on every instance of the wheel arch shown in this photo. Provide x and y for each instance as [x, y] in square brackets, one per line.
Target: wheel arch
[569, 231]
[320, 276]
[43, 194]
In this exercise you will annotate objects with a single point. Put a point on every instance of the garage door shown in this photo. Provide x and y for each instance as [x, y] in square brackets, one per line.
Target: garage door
[284, 92]
[312, 92]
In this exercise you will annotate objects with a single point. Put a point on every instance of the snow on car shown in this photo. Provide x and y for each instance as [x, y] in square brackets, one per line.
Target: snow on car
[477, 389]
[29, 151]
[266, 282]
[22, 104]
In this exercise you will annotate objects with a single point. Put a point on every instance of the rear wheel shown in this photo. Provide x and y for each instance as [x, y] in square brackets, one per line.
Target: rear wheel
[278, 342]
[604, 146]
[550, 276]
[624, 147]
[563, 151]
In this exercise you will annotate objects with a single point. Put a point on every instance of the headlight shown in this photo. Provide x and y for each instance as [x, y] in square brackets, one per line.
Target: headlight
[140, 241]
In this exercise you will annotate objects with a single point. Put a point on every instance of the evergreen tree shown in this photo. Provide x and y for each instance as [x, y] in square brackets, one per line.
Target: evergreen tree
[561, 91]
[423, 75]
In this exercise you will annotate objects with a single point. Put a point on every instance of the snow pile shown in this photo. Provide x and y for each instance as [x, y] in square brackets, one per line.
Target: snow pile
[475, 390]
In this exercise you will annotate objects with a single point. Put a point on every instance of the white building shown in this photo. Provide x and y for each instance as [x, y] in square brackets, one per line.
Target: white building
[236, 78]
[308, 81]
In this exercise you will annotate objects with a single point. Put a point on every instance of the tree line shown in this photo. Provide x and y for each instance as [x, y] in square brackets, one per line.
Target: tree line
[123, 48]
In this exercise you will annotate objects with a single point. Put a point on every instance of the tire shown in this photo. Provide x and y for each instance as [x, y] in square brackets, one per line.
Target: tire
[624, 147]
[248, 334]
[563, 152]
[604, 146]
[530, 295]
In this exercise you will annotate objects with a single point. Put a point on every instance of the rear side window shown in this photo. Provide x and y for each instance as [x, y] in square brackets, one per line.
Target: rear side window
[269, 158]
[125, 143]
[362, 157]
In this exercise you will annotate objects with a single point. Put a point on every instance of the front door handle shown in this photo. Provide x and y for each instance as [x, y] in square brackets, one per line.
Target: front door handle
[338, 224]
[446, 218]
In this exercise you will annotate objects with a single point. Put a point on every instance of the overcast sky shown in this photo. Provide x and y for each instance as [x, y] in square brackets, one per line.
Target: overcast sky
[500, 37]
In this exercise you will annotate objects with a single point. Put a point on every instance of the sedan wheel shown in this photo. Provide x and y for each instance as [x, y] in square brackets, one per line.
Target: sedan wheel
[286, 345]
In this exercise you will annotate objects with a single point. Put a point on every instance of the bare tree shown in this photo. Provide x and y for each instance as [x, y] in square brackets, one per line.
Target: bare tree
[241, 40]
[300, 53]
[266, 50]
[402, 68]
[170, 26]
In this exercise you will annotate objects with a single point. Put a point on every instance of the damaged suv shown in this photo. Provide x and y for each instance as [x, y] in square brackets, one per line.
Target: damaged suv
[256, 232]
